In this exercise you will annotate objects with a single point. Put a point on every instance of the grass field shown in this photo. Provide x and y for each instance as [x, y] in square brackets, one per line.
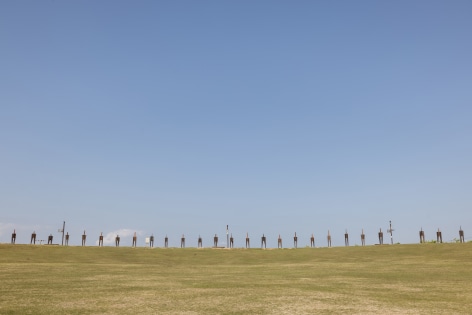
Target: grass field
[399, 279]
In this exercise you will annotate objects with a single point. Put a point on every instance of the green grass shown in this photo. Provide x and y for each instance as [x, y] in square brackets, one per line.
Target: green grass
[400, 279]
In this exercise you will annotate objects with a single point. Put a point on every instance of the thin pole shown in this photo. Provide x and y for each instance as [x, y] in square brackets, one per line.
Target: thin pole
[227, 237]
[63, 228]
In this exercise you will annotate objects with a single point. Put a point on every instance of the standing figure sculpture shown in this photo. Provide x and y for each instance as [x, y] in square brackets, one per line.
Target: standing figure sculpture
[84, 237]
[438, 236]
[166, 242]
[329, 239]
[346, 239]
[461, 235]
[67, 239]
[117, 240]
[200, 243]
[135, 240]
[381, 237]
[363, 238]
[13, 237]
[295, 240]
[100, 239]
[215, 241]
[312, 240]
[231, 241]
[151, 241]
[182, 242]
[279, 242]
[263, 241]
[50, 239]
[422, 236]
[33, 238]
[247, 241]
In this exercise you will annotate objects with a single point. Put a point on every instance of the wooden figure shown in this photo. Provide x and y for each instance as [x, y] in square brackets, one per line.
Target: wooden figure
[363, 238]
[422, 236]
[200, 243]
[166, 242]
[295, 240]
[50, 239]
[263, 241]
[438, 236]
[117, 240]
[84, 237]
[215, 241]
[247, 241]
[13, 237]
[67, 239]
[100, 239]
[346, 239]
[279, 242]
[182, 242]
[135, 240]
[381, 237]
[312, 240]
[33, 238]
[231, 241]
[461, 235]
[329, 239]
[151, 241]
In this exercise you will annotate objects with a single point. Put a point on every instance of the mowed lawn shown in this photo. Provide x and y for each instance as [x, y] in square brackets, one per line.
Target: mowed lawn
[398, 279]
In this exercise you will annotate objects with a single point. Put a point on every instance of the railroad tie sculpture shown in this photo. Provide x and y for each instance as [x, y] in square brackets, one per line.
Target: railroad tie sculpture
[182, 241]
[363, 238]
[135, 240]
[438, 236]
[166, 242]
[13, 237]
[50, 239]
[215, 241]
[422, 236]
[117, 241]
[461, 235]
[200, 243]
[329, 239]
[312, 240]
[381, 237]
[231, 241]
[67, 239]
[84, 237]
[279, 242]
[247, 241]
[295, 240]
[346, 239]
[100, 239]
[151, 241]
[263, 241]
[33, 238]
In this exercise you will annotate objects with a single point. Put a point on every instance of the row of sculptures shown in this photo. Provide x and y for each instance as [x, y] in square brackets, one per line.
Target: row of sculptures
[231, 239]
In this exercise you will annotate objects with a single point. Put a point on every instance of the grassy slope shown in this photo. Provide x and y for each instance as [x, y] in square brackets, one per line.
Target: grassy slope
[402, 279]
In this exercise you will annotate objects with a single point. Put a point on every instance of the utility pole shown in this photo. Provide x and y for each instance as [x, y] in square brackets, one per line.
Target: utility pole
[390, 230]
[227, 236]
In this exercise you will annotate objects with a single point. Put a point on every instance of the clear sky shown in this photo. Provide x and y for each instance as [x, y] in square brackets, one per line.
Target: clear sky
[274, 117]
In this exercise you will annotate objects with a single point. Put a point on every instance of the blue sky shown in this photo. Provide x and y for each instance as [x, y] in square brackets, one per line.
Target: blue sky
[273, 117]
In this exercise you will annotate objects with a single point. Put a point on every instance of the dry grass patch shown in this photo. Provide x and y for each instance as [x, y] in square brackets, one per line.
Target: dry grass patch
[403, 279]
